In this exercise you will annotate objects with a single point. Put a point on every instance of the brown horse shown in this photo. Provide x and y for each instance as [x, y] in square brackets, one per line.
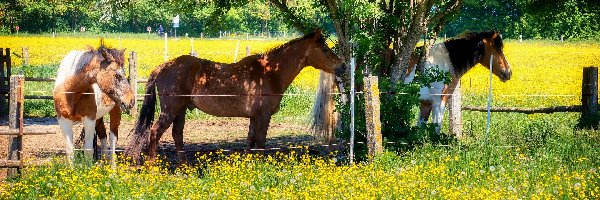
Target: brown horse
[250, 88]
[457, 56]
[88, 85]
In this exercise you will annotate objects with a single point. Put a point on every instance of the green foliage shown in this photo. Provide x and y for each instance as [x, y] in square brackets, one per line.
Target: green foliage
[396, 114]
[38, 107]
[433, 74]
[208, 17]
[571, 19]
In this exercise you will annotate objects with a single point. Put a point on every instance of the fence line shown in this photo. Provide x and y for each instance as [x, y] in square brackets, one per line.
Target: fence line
[16, 130]
[588, 94]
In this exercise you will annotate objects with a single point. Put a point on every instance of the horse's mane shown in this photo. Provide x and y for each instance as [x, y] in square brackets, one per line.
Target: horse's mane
[278, 49]
[89, 54]
[294, 41]
[466, 50]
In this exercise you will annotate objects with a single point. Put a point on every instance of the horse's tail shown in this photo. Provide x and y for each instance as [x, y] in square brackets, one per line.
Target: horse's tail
[139, 140]
[323, 118]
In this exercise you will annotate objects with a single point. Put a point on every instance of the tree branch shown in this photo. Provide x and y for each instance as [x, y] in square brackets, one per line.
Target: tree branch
[297, 21]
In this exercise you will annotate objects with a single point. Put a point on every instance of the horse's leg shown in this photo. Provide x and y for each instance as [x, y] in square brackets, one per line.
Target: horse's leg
[260, 134]
[115, 121]
[177, 133]
[252, 133]
[424, 112]
[89, 125]
[101, 133]
[437, 106]
[66, 126]
[156, 132]
[425, 107]
[169, 108]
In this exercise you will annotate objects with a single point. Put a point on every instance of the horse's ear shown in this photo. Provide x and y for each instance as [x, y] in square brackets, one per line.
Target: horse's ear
[318, 34]
[123, 52]
[102, 43]
[479, 51]
[107, 56]
[496, 34]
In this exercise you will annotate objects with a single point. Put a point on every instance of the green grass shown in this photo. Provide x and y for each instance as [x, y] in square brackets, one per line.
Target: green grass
[523, 157]
[526, 157]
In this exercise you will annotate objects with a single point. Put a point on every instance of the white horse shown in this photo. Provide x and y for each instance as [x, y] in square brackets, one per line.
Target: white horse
[88, 85]
[457, 56]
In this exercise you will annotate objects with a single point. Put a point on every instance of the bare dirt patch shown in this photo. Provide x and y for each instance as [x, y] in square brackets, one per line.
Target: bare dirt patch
[200, 136]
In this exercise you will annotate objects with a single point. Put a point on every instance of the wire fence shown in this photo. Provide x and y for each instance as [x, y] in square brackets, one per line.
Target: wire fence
[358, 93]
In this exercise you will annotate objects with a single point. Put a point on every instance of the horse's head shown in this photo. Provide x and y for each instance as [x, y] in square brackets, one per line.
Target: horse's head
[491, 44]
[110, 77]
[320, 56]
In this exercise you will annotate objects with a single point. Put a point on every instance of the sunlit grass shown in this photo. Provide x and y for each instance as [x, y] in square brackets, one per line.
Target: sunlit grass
[540, 156]
[456, 172]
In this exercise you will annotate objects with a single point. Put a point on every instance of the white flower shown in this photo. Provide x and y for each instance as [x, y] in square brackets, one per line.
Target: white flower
[510, 188]
[492, 168]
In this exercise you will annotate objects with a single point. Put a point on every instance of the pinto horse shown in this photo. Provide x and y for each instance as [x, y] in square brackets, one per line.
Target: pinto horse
[457, 56]
[88, 86]
[251, 88]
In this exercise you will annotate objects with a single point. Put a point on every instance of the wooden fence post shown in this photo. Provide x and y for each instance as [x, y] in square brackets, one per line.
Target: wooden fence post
[5, 72]
[16, 121]
[133, 81]
[372, 111]
[589, 97]
[25, 56]
[454, 109]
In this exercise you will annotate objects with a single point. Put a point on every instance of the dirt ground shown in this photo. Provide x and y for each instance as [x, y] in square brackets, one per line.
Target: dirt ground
[200, 136]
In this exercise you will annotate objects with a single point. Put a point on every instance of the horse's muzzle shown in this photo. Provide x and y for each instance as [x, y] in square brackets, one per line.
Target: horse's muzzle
[127, 106]
[505, 75]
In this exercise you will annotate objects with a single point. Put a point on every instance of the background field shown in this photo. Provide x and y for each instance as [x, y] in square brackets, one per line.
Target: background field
[545, 73]
[524, 156]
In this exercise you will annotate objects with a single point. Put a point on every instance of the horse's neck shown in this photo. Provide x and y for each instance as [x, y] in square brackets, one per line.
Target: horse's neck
[287, 65]
[439, 58]
[71, 77]
[462, 54]
[77, 83]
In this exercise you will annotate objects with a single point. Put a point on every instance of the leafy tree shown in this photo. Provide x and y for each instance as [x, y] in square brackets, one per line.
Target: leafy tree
[530, 18]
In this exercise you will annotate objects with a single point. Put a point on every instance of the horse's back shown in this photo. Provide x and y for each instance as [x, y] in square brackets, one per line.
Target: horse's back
[66, 66]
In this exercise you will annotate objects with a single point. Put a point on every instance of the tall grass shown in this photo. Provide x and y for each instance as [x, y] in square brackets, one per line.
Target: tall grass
[524, 156]
[529, 160]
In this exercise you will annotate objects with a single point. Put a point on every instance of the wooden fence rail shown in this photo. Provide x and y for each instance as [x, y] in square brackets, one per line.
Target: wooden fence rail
[589, 99]
[15, 130]
[548, 110]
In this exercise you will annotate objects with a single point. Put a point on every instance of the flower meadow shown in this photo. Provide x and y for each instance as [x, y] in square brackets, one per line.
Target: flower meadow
[150, 51]
[547, 73]
[427, 172]
[538, 156]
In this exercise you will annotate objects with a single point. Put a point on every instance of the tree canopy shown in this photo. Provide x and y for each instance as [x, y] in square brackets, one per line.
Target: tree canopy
[540, 19]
